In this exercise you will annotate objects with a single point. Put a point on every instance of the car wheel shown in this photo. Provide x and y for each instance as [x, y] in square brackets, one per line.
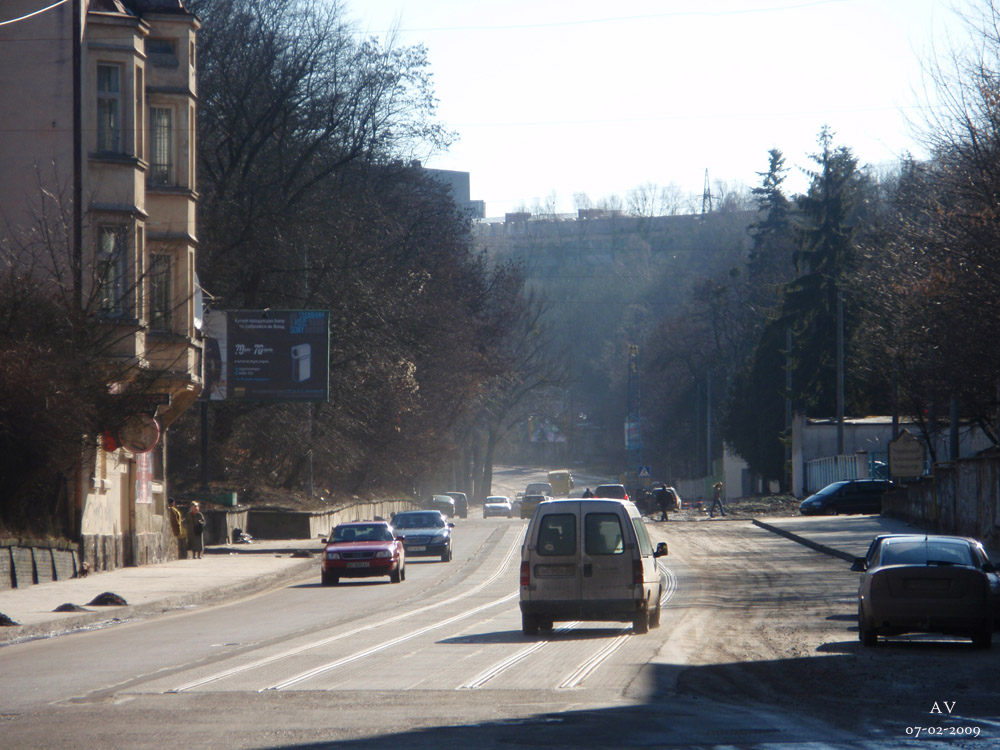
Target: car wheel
[329, 579]
[654, 618]
[866, 633]
[397, 575]
[640, 622]
[446, 556]
[984, 638]
[529, 624]
[545, 623]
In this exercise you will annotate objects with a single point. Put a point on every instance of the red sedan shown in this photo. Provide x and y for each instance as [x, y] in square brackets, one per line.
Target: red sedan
[363, 549]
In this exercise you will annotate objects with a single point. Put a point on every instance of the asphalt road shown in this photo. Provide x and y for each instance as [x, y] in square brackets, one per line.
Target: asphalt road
[757, 649]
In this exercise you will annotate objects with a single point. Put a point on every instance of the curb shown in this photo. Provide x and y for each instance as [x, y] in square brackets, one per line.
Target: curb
[113, 615]
[807, 542]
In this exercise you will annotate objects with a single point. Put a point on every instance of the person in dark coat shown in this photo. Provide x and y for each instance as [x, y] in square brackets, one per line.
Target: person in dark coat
[194, 525]
[664, 500]
[717, 500]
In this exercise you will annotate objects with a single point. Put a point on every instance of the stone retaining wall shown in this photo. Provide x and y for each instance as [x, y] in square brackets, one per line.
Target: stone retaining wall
[284, 524]
[24, 563]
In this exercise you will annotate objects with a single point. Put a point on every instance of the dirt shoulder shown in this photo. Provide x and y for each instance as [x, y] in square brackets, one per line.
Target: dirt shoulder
[775, 623]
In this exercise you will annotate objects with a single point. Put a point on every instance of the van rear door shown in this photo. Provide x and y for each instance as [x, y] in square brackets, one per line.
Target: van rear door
[557, 572]
[606, 553]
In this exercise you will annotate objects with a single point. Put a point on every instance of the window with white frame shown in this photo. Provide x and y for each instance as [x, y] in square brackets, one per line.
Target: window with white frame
[160, 292]
[109, 108]
[111, 270]
[161, 145]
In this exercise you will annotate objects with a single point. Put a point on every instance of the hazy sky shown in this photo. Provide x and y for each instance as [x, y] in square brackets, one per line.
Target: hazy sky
[589, 96]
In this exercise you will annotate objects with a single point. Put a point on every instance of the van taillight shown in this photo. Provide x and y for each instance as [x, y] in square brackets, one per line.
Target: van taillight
[637, 572]
[525, 573]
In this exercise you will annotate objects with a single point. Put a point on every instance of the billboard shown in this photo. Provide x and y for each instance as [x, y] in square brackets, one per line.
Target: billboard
[267, 355]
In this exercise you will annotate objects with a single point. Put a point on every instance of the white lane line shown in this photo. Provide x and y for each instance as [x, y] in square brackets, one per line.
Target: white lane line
[582, 671]
[671, 584]
[347, 634]
[500, 667]
[330, 666]
[586, 668]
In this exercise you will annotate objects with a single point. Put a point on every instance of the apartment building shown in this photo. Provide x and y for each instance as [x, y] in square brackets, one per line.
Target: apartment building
[97, 130]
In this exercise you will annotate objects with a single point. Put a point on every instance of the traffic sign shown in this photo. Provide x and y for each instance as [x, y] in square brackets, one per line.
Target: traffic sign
[644, 472]
[906, 457]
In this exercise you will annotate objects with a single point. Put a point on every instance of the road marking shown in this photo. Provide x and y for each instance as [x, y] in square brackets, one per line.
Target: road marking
[330, 666]
[581, 672]
[340, 636]
[587, 667]
[500, 667]
[671, 584]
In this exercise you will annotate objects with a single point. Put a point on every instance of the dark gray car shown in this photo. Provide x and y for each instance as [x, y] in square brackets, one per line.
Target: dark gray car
[847, 496]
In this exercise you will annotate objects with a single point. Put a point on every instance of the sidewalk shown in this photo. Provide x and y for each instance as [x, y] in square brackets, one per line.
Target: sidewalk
[225, 572]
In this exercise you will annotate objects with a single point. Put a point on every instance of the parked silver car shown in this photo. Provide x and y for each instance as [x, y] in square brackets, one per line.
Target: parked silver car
[926, 583]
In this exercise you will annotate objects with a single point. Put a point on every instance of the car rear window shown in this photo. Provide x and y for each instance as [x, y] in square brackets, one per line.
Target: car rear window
[418, 520]
[926, 553]
[610, 490]
[604, 534]
[556, 534]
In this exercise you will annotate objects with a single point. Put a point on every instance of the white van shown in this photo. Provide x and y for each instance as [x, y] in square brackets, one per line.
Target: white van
[589, 560]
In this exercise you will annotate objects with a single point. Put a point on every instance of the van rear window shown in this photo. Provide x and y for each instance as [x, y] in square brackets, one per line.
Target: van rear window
[556, 534]
[604, 534]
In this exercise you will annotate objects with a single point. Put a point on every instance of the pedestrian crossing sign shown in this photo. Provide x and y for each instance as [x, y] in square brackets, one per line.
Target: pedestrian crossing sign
[644, 472]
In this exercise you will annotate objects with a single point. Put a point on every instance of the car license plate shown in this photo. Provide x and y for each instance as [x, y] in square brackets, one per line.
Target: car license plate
[357, 565]
[554, 571]
[418, 548]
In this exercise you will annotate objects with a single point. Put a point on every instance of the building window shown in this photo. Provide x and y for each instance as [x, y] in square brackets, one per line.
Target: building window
[109, 108]
[162, 52]
[161, 146]
[111, 269]
[159, 292]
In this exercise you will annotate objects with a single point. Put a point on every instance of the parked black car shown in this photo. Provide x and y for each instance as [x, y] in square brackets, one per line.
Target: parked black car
[847, 496]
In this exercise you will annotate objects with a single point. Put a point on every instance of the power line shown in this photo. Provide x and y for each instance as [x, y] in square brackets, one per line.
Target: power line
[625, 19]
[34, 13]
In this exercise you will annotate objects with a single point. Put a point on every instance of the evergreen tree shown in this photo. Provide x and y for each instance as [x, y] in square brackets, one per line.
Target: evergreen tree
[826, 218]
[770, 257]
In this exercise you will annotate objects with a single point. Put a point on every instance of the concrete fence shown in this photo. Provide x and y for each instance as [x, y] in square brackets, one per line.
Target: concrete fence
[283, 524]
[959, 497]
[25, 563]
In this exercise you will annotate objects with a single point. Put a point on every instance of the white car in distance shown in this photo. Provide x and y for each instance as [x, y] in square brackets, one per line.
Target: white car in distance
[497, 505]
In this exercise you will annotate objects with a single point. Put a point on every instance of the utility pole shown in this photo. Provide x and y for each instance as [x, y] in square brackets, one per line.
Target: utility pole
[633, 431]
[708, 423]
[788, 408]
[840, 373]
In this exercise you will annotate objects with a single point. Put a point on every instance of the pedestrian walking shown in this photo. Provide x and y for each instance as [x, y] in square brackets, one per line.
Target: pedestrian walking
[663, 498]
[176, 519]
[717, 500]
[194, 524]
[588, 493]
